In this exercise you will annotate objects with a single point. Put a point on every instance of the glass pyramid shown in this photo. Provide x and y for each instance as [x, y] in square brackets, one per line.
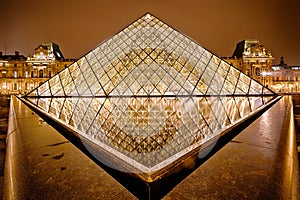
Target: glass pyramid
[149, 96]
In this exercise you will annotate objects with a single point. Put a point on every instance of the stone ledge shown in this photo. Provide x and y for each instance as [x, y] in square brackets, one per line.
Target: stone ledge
[259, 163]
[42, 164]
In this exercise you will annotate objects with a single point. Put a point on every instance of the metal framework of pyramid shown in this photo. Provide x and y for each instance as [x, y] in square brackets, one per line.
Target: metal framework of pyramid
[149, 95]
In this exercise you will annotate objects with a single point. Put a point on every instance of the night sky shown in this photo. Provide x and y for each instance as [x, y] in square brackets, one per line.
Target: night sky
[217, 25]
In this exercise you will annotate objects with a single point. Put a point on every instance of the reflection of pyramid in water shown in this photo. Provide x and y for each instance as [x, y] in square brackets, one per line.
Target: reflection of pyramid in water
[149, 95]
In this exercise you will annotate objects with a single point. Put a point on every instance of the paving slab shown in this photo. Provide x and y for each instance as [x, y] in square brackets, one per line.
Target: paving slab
[42, 164]
[259, 163]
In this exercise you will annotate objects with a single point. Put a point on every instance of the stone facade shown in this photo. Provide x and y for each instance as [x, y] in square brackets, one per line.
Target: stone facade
[285, 78]
[20, 74]
[253, 59]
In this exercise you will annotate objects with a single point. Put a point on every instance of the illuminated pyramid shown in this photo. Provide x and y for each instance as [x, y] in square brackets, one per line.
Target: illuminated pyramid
[148, 96]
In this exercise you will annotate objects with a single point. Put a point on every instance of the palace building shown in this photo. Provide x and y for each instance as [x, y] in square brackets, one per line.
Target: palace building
[252, 58]
[285, 78]
[20, 74]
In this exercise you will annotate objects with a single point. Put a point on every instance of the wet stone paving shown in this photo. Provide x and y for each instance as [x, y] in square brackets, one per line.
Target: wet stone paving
[4, 112]
[296, 105]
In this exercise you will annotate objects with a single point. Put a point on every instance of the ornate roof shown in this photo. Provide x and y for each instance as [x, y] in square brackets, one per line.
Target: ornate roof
[49, 49]
[251, 48]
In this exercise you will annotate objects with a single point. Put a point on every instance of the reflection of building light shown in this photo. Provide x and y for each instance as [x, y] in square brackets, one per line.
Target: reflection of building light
[58, 54]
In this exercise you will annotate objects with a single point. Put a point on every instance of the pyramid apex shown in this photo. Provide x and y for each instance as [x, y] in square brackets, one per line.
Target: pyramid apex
[148, 16]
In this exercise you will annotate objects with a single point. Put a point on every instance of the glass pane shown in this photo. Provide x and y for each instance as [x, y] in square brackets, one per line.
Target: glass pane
[149, 95]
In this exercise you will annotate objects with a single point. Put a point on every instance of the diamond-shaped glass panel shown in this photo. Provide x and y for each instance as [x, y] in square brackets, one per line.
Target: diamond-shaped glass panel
[148, 97]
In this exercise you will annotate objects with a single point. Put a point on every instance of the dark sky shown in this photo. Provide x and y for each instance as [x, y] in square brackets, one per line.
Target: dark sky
[217, 25]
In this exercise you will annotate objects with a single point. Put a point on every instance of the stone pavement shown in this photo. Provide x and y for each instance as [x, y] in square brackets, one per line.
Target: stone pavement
[4, 111]
[42, 164]
[259, 163]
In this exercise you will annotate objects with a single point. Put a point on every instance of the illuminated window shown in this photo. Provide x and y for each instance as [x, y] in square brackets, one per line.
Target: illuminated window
[3, 74]
[50, 54]
[4, 86]
[26, 74]
[42, 56]
[15, 74]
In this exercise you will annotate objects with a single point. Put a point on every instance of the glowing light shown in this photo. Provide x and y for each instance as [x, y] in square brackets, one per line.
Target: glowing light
[148, 17]
[4, 85]
[148, 105]
[264, 73]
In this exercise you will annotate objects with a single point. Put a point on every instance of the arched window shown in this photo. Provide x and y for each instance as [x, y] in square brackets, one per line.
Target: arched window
[42, 56]
[41, 73]
[248, 72]
[257, 71]
[15, 86]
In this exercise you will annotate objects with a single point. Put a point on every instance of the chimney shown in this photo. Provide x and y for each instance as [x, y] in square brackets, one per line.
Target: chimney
[17, 53]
